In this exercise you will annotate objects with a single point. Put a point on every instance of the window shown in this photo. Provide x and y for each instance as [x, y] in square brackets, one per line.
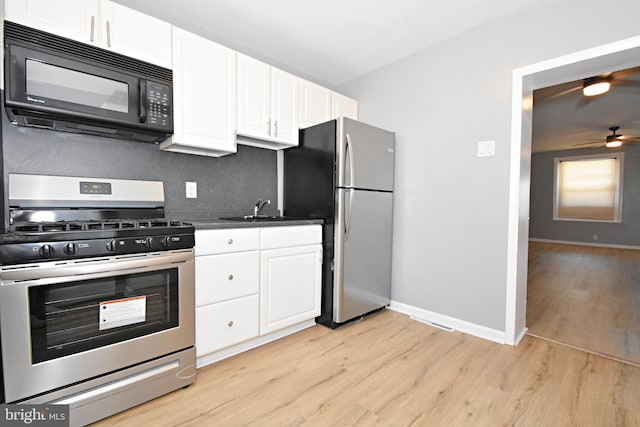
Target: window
[588, 188]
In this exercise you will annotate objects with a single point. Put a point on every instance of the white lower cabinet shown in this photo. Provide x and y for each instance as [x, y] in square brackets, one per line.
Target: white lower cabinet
[290, 285]
[226, 323]
[227, 275]
[254, 285]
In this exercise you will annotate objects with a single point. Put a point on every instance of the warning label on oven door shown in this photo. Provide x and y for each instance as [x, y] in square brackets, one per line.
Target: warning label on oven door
[122, 312]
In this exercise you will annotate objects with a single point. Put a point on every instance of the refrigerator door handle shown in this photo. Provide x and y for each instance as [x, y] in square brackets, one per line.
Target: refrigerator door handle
[348, 154]
[348, 206]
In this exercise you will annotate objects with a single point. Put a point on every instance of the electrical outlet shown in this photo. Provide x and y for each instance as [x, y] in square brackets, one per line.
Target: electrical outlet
[595, 237]
[191, 190]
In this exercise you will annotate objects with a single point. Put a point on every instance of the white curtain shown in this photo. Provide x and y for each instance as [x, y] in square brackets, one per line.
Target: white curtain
[587, 189]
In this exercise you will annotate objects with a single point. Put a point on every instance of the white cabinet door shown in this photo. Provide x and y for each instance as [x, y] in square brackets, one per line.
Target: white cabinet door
[284, 107]
[254, 98]
[204, 96]
[343, 106]
[267, 104]
[73, 19]
[135, 34]
[315, 104]
[290, 286]
[226, 323]
[102, 23]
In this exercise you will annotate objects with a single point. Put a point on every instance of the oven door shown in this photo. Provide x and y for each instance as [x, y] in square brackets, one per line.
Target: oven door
[65, 322]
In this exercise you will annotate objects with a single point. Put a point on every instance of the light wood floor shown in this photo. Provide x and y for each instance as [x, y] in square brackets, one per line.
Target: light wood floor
[586, 297]
[391, 371]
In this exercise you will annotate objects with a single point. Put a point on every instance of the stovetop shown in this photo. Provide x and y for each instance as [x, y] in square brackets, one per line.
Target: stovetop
[58, 240]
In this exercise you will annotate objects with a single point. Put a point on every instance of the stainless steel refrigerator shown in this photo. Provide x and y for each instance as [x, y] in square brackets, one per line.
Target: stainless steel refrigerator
[342, 172]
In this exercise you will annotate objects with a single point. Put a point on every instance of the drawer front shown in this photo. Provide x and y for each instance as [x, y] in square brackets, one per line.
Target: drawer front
[225, 324]
[209, 242]
[227, 276]
[282, 237]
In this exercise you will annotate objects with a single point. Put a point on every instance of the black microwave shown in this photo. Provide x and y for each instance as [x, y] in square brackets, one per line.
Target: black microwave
[56, 83]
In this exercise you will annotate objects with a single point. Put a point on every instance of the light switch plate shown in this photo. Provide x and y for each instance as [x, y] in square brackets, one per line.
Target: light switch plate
[486, 148]
[192, 190]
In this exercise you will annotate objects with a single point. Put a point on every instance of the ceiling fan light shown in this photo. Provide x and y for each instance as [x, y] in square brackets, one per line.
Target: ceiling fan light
[614, 143]
[596, 88]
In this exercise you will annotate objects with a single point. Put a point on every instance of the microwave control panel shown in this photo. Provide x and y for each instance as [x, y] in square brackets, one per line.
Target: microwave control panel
[159, 110]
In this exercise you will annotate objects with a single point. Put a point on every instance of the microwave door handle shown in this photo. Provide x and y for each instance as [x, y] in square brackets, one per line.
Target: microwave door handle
[143, 101]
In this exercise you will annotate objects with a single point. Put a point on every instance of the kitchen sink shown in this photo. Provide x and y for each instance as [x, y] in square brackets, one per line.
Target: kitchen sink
[257, 218]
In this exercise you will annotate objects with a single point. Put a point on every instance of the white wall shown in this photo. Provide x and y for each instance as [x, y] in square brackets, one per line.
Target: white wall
[451, 212]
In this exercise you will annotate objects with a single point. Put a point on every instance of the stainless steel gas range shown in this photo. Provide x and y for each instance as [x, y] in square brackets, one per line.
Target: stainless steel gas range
[96, 295]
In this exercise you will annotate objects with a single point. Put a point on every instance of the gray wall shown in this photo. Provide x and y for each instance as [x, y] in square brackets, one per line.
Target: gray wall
[451, 208]
[227, 185]
[542, 225]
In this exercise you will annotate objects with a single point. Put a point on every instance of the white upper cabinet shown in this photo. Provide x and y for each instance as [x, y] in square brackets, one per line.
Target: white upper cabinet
[74, 19]
[254, 97]
[315, 104]
[343, 106]
[98, 22]
[204, 97]
[135, 34]
[284, 106]
[267, 105]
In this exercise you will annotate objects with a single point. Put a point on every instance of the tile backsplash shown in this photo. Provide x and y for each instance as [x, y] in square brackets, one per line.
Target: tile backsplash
[227, 186]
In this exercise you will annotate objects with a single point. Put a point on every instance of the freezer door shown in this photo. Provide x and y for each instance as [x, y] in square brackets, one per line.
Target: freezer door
[362, 263]
[365, 156]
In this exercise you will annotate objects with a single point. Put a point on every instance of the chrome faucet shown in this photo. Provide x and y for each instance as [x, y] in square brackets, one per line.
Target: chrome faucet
[259, 205]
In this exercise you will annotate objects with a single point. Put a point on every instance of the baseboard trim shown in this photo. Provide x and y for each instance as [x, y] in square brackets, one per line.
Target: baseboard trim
[521, 335]
[595, 245]
[449, 323]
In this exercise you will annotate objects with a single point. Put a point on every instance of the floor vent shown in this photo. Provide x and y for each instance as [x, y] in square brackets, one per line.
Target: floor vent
[434, 324]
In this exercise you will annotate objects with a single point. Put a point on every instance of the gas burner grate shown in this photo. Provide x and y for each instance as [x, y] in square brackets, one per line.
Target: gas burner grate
[62, 226]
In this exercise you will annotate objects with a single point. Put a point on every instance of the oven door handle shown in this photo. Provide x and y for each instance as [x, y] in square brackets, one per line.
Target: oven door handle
[51, 272]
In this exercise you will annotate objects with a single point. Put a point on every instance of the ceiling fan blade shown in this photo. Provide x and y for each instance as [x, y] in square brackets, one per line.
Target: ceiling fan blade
[585, 100]
[631, 139]
[627, 83]
[599, 142]
[622, 74]
[544, 95]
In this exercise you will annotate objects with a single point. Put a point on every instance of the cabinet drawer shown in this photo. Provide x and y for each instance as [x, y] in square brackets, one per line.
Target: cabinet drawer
[225, 277]
[210, 242]
[226, 323]
[281, 237]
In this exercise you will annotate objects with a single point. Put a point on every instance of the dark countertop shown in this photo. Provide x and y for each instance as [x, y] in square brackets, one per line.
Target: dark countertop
[217, 223]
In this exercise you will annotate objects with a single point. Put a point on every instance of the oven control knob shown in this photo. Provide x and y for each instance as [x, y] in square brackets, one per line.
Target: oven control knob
[69, 249]
[111, 245]
[150, 242]
[45, 251]
[166, 241]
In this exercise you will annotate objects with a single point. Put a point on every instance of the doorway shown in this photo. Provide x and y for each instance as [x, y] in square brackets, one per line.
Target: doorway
[613, 56]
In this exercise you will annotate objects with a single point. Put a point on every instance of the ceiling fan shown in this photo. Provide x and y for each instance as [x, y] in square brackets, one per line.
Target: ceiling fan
[611, 141]
[591, 87]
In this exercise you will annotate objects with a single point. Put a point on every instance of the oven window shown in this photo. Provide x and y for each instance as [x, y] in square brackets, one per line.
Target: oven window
[53, 82]
[69, 318]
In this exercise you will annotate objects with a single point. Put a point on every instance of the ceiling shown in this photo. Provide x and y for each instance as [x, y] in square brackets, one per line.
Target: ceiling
[563, 117]
[329, 41]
